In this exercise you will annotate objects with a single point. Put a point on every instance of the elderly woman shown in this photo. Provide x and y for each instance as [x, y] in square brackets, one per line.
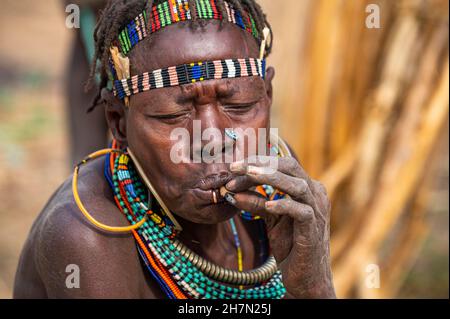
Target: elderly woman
[136, 223]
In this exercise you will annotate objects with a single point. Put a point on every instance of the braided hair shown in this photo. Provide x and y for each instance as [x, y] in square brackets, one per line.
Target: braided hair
[118, 13]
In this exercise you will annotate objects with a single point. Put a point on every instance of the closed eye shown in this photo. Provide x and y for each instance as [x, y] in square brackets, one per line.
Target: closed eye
[168, 117]
[239, 107]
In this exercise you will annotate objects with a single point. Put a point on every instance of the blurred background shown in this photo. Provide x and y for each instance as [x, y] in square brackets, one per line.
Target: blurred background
[365, 108]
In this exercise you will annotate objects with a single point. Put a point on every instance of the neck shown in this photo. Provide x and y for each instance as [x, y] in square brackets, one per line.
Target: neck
[206, 239]
[216, 243]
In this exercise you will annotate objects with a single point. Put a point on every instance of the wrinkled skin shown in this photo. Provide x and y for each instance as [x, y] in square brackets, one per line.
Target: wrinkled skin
[109, 265]
[298, 226]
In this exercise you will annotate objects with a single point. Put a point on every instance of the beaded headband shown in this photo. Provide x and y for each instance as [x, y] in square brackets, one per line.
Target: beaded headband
[174, 11]
[165, 14]
[189, 73]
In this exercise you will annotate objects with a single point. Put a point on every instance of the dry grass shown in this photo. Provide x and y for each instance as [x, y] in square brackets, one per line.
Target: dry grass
[373, 104]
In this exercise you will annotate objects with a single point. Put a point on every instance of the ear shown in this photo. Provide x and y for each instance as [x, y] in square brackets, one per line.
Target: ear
[115, 112]
[270, 74]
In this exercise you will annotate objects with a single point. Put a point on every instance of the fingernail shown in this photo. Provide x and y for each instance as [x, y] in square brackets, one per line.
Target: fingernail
[255, 170]
[231, 185]
[230, 199]
[237, 166]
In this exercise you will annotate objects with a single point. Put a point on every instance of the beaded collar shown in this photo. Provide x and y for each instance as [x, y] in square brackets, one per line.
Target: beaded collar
[180, 273]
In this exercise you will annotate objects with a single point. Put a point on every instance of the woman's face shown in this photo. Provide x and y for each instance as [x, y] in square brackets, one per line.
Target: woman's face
[153, 116]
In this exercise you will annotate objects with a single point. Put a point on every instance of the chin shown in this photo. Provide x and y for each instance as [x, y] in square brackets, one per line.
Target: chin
[211, 214]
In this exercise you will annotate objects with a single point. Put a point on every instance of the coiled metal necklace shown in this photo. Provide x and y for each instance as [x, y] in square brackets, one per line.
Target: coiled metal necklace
[189, 274]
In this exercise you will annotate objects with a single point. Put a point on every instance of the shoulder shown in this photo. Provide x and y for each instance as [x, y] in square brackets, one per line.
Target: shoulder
[62, 223]
[62, 240]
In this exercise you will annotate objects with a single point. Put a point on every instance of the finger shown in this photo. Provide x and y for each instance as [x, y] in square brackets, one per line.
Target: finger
[240, 184]
[287, 165]
[295, 187]
[305, 224]
[254, 203]
[248, 201]
[300, 212]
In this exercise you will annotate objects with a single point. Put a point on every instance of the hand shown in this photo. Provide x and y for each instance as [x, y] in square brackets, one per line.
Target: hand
[298, 226]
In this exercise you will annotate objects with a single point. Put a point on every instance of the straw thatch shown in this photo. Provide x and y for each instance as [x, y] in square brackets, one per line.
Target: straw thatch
[364, 109]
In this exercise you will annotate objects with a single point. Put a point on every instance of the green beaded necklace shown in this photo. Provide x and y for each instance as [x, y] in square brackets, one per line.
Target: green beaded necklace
[156, 232]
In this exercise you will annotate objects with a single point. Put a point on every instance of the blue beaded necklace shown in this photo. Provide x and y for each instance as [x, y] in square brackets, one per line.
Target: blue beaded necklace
[188, 278]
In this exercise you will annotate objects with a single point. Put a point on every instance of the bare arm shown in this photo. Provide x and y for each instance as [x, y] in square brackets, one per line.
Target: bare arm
[63, 247]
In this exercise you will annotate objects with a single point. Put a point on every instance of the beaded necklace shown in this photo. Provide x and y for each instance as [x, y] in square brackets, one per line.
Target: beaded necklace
[238, 244]
[176, 274]
[231, 221]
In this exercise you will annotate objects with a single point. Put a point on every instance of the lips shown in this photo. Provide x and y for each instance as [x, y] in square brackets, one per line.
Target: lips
[214, 181]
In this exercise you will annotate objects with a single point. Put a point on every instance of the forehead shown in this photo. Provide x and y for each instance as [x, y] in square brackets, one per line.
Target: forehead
[181, 43]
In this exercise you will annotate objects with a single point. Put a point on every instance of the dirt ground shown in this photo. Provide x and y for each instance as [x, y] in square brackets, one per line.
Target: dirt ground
[33, 141]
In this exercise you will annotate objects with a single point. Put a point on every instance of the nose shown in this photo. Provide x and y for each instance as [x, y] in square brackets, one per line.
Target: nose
[211, 141]
[211, 122]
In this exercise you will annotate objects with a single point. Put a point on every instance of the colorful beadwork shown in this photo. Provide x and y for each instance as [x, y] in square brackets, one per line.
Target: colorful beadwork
[173, 11]
[238, 244]
[189, 73]
[133, 198]
[177, 276]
